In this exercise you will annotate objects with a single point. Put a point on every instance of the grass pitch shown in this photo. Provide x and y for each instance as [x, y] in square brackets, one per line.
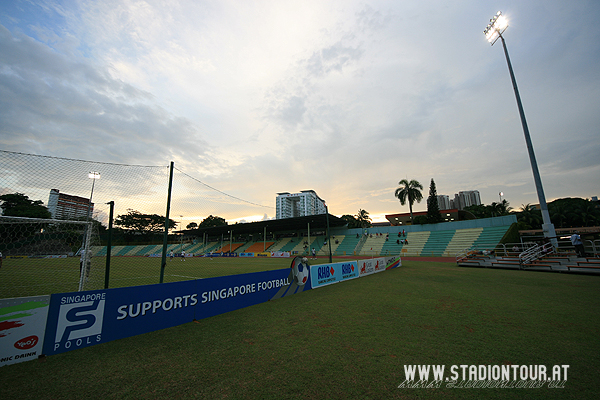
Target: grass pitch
[348, 340]
[20, 277]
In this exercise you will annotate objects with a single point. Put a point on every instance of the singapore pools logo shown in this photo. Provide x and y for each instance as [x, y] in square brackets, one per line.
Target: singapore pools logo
[79, 320]
[300, 270]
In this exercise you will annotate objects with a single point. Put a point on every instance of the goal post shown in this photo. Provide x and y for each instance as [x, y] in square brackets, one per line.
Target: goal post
[43, 256]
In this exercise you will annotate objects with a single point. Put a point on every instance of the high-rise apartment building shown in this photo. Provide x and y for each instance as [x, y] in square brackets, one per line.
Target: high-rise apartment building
[65, 206]
[292, 205]
[465, 199]
[443, 202]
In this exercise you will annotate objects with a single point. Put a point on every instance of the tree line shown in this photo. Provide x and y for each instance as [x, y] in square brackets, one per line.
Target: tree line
[564, 213]
[132, 223]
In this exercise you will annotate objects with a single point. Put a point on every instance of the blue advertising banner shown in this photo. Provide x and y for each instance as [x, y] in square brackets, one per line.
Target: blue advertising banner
[228, 293]
[82, 319]
[326, 274]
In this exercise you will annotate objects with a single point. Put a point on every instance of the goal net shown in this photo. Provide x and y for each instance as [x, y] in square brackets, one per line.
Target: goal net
[44, 256]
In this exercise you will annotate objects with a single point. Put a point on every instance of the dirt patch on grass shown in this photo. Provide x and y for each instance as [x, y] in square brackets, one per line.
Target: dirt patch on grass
[447, 303]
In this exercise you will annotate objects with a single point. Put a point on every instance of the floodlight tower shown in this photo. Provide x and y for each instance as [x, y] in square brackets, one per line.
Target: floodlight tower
[494, 30]
[93, 176]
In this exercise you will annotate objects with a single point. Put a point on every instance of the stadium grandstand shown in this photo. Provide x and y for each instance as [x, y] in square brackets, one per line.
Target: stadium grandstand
[299, 236]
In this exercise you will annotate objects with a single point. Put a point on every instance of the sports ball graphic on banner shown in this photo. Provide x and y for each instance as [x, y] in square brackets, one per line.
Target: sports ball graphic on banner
[300, 270]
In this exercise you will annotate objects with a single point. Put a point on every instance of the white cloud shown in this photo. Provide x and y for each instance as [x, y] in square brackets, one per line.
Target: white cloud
[342, 97]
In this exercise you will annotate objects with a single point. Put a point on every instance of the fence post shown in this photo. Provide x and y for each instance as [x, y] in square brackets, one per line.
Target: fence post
[163, 263]
[109, 243]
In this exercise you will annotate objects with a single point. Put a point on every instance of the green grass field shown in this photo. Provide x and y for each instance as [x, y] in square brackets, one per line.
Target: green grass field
[349, 340]
[21, 277]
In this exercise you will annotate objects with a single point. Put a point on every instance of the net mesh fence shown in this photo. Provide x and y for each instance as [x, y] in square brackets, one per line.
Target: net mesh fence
[46, 256]
[79, 192]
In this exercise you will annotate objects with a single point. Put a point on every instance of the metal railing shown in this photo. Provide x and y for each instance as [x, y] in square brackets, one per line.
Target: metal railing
[488, 249]
[535, 253]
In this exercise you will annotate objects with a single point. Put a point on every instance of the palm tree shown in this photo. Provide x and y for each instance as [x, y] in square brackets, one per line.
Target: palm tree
[588, 214]
[363, 218]
[529, 217]
[409, 191]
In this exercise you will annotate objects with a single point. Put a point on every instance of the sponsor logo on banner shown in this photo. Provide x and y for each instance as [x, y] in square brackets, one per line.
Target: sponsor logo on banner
[392, 262]
[326, 274]
[263, 254]
[368, 267]
[22, 328]
[80, 318]
[246, 255]
[350, 270]
[380, 264]
[284, 254]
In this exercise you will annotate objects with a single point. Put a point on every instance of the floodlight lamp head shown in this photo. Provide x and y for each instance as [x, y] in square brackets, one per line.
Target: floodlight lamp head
[94, 175]
[496, 27]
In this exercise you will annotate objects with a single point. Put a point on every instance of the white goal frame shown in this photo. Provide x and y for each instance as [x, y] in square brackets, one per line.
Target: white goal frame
[86, 245]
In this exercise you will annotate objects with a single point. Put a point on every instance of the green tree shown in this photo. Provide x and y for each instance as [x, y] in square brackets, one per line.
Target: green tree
[409, 191]
[19, 205]
[573, 212]
[490, 210]
[211, 221]
[588, 214]
[433, 209]
[191, 225]
[351, 220]
[144, 224]
[363, 218]
[529, 218]
[479, 210]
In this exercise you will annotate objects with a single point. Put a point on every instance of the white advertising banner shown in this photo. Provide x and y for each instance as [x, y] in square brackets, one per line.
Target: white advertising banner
[370, 266]
[22, 326]
[284, 254]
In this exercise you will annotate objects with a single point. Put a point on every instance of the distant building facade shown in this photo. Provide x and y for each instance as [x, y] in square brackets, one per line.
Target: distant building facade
[443, 202]
[293, 205]
[65, 206]
[465, 199]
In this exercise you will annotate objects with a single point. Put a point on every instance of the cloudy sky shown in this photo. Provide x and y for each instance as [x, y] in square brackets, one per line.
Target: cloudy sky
[343, 97]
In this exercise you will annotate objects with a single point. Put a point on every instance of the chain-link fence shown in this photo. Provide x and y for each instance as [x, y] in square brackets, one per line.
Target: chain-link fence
[78, 190]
